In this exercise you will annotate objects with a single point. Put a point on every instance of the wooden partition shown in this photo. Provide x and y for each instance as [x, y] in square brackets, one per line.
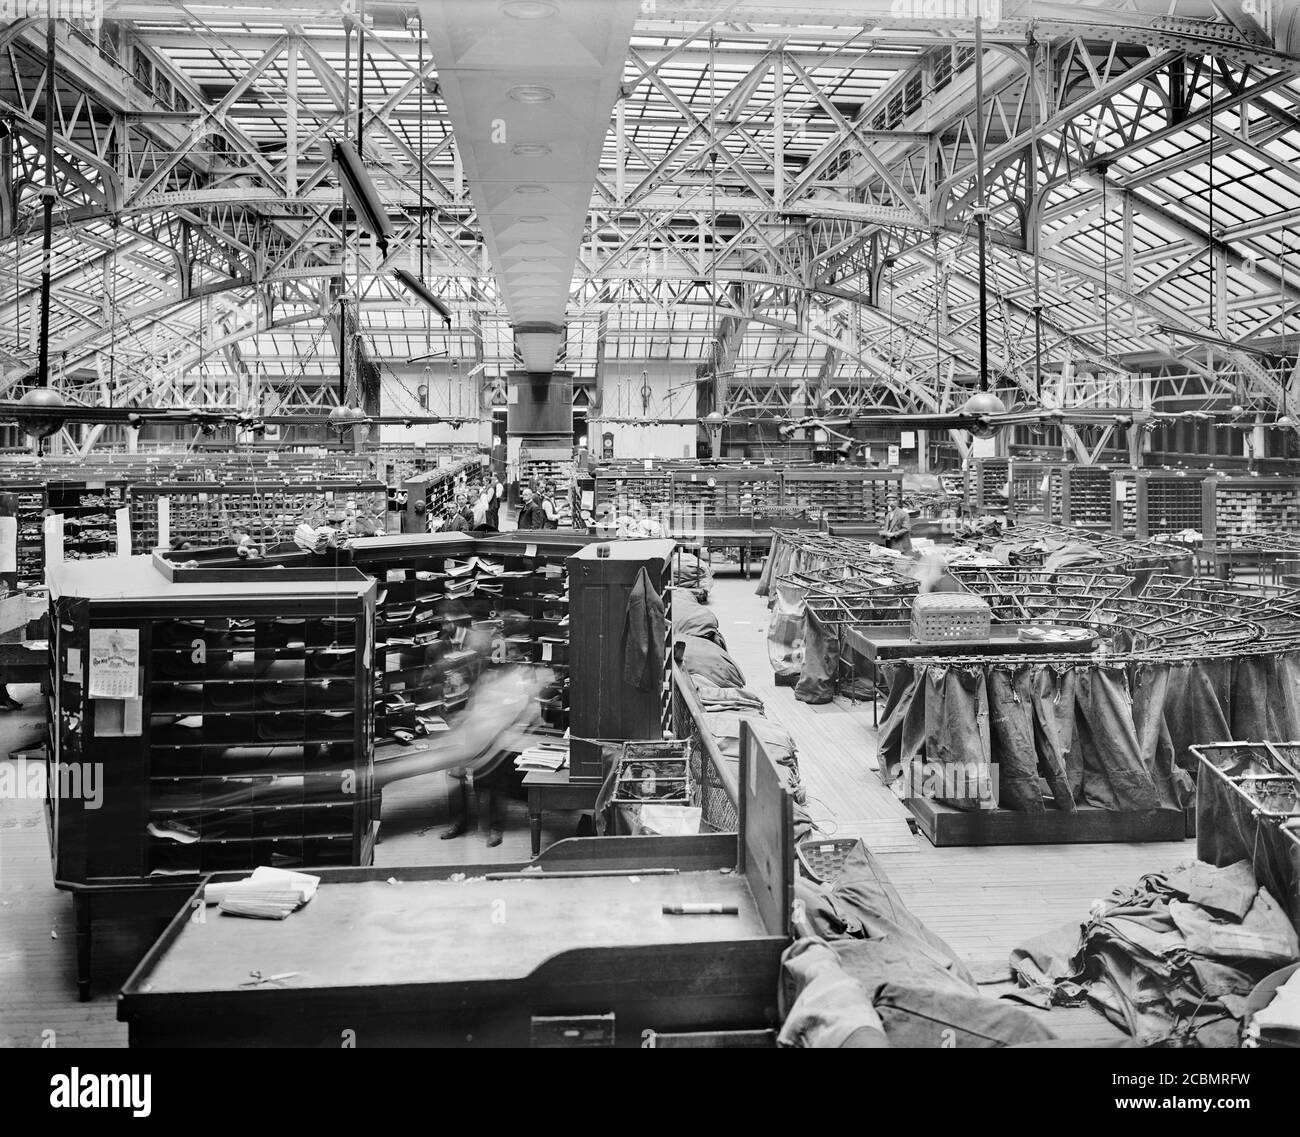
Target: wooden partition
[766, 833]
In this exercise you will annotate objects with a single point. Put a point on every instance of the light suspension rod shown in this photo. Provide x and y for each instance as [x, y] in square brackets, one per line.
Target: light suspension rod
[981, 204]
[48, 194]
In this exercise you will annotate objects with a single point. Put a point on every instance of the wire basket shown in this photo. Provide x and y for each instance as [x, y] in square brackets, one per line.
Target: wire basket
[1266, 775]
[824, 860]
[653, 772]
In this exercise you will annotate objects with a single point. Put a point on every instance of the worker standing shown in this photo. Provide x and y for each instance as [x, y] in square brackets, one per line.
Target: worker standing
[531, 513]
[550, 510]
[495, 495]
[896, 533]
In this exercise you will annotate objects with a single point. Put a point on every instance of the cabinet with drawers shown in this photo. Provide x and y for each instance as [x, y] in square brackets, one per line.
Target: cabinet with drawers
[207, 726]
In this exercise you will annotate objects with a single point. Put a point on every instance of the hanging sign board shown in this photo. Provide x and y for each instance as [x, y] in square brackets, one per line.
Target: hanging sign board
[8, 544]
[123, 516]
[114, 663]
[53, 539]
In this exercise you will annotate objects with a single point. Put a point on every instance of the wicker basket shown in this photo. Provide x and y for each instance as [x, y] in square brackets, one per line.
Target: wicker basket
[823, 860]
[945, 616]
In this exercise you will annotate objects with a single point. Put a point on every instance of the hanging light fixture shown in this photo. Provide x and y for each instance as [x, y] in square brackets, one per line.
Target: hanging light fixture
[414, 285]
[984, 402]
[39, 426]
[410, 281]
[359, 192]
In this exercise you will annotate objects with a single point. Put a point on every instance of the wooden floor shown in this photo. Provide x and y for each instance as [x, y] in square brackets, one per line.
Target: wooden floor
[982, 901]
[837, 741]
[36, 932]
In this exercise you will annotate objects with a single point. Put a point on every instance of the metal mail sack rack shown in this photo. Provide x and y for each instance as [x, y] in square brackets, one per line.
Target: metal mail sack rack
[653, 772]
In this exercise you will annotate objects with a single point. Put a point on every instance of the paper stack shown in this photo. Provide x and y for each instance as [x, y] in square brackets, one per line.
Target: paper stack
[313, 540]
[545, 756]
[269, 894]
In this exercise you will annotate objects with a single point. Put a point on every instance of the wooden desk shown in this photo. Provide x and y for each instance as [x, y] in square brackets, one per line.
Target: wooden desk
[548, 790]
[412, 957]
[744, 540]
[743, 532]
[895, 642]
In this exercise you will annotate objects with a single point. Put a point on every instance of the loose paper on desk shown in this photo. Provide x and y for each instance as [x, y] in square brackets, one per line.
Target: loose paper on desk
[265, 878]
[114, 663]
[164, 523]
[53, 540]
[8, 544]
[123, 531]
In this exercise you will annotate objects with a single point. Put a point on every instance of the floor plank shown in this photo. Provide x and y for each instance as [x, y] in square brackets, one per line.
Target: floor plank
[837, 741]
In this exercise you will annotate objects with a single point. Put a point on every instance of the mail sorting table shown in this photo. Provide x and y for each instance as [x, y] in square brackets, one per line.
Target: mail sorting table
[896, 642]
[751, 536]
[580, 952]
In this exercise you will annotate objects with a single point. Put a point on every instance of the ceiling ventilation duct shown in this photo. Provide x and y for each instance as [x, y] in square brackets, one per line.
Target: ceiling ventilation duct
[538, 346]
[530, 86]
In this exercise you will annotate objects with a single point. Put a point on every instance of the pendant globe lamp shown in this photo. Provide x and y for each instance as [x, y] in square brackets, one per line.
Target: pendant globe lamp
[39, 426]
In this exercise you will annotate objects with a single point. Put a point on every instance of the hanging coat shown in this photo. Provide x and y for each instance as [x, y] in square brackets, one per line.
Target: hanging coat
[644, 629]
